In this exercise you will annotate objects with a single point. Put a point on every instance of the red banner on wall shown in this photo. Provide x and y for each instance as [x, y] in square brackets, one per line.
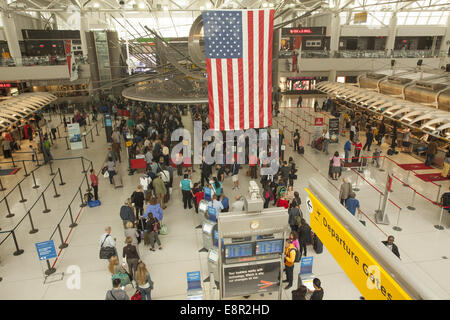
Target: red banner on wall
[68, 51]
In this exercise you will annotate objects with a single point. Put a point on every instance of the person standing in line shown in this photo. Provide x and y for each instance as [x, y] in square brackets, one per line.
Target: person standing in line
[115, 136]
[299, 101]
[94, 183]
[300, 293]
[111, 165]
[106, 240]
[186, 187]
[197, 193]
[345, 190]
[154, 208]
[352, 204]
[347, 150]
[144, 282]
[297, 200]
[47, 155]
[352, 132]
[317, 294]
[335, 162]
[126, 213]
[137, 197]
[431, 152]
[235, 174]
[406, 140]
[160, 189]
[153, 226]
[116, 293]
[358, 147]
[289, 260]
[446, 164]
[52, 129]
[390, 244]
[293, 212]
[304, 233]
[326, 140]
[132, 256]
[296, 140]
[131, 232]
[369, 140]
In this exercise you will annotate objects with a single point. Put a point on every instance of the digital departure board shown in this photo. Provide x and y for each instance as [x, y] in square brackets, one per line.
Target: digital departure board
[268, 247]
[239, 250]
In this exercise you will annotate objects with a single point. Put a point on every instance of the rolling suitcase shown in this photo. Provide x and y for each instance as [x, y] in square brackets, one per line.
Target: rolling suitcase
[301, 150]
[317, 244]
[117, 179]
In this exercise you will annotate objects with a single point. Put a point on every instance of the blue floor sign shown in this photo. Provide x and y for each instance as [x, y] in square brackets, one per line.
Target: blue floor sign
[46, 250]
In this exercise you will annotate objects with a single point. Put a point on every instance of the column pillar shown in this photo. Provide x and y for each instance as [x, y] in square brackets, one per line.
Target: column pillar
[335, 33]
[390, 41]
[445, 45]
[332, 76]
[84, 27]
[9, 28]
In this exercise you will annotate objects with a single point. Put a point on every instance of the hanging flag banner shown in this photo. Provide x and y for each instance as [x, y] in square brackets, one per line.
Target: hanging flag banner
[75, 136]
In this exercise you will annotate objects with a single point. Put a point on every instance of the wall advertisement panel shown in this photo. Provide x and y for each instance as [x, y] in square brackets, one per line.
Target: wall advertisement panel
[74, 136]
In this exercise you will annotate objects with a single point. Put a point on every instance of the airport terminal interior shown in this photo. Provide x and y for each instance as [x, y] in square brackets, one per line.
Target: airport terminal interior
[335, 185]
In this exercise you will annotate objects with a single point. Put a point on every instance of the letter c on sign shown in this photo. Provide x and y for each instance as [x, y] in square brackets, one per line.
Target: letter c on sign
[374, 273]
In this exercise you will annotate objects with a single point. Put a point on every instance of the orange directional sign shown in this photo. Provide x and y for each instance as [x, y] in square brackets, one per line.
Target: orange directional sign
[266, 284]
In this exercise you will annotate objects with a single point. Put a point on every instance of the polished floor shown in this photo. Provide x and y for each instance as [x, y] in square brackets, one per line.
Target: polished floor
[421, 245]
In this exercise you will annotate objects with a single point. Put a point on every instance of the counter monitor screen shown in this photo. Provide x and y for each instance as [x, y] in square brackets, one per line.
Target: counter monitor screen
[239, 250]
[268, 247]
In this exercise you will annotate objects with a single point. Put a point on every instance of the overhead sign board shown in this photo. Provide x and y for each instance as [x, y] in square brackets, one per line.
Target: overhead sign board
[371, 279]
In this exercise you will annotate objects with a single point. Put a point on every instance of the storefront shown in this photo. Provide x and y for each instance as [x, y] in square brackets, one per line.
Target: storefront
[296, 85]
[12, 88]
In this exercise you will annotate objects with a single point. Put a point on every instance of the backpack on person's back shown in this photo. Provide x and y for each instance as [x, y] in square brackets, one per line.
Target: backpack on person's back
[297, 255]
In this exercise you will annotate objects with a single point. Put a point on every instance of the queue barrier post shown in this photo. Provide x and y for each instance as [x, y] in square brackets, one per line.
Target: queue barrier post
[46, 210]
[51, 168]
[397, 228]
[87, 183]
[96, 129]
[407, 179]
[50, 270]
[439, 193]
[25, 169]
[12, 159]
[378, 211]
[60, 178]
[63, 243]
[411, 207]
[54, 188]
[67, 143]
[10, 215]
[440, 226]
[2, 188]
[34, 180]
[37, 159]
[18, 251]
[92, 137]
[82, 205]
[85, 142]
[22, 200]
[382, 165]
[59, 134]
[356, 183]
[33, 229]
[73, 224]
[82, 164]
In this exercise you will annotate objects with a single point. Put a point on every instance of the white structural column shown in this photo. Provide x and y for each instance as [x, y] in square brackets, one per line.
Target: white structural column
[9, 28]
[332, 76]
[84, 27]
[335, 33]
[445, 44]
[390, 42]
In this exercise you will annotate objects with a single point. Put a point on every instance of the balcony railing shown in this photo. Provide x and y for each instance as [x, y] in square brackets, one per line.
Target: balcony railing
[40, 61]
[371, 54]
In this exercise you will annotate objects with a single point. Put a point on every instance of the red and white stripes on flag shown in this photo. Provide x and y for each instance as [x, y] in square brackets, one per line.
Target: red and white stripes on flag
[240, 89]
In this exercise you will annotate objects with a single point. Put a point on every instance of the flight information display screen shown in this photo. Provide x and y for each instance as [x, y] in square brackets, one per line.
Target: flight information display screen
[239, 250]
[268, 247]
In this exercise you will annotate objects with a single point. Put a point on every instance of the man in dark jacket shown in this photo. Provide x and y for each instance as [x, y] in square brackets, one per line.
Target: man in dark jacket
[293, 211]
[285, 171]
[206, 172]
[369, 140]
[390, 244]
[126, 213]
[304, 235]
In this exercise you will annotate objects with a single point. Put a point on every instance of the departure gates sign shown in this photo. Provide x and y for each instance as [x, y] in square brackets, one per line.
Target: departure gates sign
[372, 281]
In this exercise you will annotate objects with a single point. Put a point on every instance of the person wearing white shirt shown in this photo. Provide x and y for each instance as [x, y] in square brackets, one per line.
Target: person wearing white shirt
[326, 140]
[216, 205]
[107, 240]
[238, 205]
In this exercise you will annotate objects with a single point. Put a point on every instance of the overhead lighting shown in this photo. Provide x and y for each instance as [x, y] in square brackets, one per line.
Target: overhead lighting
[141, 5]
[271, 5]
[96, 5]
[264, 5]
[208, 5]
[166, 8]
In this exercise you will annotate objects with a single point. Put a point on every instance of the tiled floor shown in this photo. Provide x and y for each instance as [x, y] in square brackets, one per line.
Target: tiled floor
[420, 244]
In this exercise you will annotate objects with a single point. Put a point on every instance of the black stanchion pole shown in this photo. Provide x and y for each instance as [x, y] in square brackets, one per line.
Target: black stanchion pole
[63, 243]
[18, 251]
[12, 159]
[51, 168]
[82, 205]
[92, 137]
[46, 210]
[2, 188]
[21, 194]
[82, 164]
[10, 215]
[89, 120]
[34, 180]
[37, 159]
[73, 224]
[33, 229]
[59, 134]
[60, 177]
[87, 183]
[25, 169]
[67, 143]
[54, 188]
[50, 270]
[85, 142]
[96, 129]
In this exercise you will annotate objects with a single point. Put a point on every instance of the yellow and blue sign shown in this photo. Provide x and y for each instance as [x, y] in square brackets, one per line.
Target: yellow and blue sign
[369, 277]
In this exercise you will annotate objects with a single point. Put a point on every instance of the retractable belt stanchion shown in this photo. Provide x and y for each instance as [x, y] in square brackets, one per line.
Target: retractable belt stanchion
[440, 226]
[33, 229]
[382, 165]
[2, 188]
[67, 143]
[397, 228]
[96, 129]
[378, 211]
[356, 183]
[407, 179]
[82, 164]
[46, 210]
[10, 215]
[73, 224]
[60, 177]
[411, 207]
[12, 159]
[25, 169]
[18, 251]
[85, 142]
[63, 243]
[82, 205]
[439, 193]
[54, 188]
[34, 180]
[21, 194]
[51, 168]
[92, 136]
[87, 183]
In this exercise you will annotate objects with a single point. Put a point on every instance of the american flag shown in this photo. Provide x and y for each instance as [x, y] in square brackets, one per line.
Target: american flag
[238, 48]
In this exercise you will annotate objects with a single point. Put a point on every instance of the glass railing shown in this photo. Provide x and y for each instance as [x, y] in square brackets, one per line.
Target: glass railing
[367, 54]
[40, 61]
